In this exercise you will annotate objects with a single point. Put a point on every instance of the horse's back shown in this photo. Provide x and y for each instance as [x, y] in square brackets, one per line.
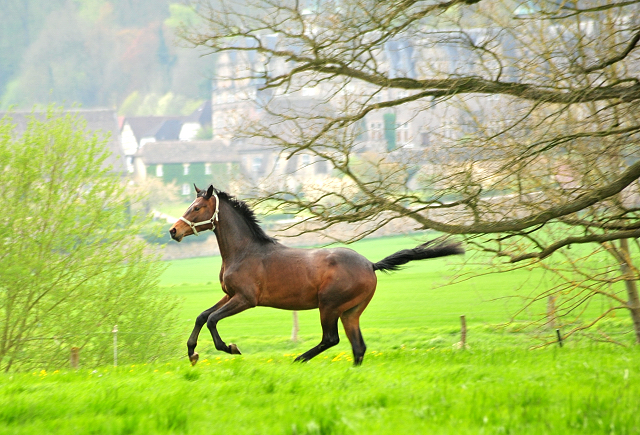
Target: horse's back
[292, 278]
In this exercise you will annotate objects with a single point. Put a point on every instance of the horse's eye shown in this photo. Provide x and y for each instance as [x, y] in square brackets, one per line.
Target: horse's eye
[196, 208]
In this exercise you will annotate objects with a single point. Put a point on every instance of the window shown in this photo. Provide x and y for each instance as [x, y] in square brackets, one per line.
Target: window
[186, 189]
[376, 131]
[306, 159]
[207, 169]
[321, 167]
[159, 171]
[185, 169]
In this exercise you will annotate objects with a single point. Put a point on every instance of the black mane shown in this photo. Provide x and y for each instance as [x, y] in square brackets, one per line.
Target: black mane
[247, 215]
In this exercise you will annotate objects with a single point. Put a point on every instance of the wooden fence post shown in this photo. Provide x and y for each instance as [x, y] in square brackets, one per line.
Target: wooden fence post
[296, 327]
[74, 359]
[559, 337]
[115, 345]
[463, 332]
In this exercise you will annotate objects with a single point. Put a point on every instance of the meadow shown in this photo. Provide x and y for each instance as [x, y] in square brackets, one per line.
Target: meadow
[414, 380]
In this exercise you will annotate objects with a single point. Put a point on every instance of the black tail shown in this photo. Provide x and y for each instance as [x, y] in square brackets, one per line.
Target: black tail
[431, 249]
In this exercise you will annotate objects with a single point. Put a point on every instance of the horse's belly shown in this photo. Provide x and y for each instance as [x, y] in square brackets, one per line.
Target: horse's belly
[289, 299]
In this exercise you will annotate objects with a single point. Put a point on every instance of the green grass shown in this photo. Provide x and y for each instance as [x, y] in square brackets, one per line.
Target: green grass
[414, 379]
[582, 390]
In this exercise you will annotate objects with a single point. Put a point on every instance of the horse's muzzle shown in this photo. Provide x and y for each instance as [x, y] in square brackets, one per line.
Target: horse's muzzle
[173, 232]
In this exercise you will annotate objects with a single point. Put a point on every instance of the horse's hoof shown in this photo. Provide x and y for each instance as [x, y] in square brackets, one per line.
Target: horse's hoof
[194, 358]
[233, 349]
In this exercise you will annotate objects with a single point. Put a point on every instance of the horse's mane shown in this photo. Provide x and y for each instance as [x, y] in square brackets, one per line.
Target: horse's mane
[246, 214]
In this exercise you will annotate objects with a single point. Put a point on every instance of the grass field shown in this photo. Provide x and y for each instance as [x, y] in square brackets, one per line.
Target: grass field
[414, 380]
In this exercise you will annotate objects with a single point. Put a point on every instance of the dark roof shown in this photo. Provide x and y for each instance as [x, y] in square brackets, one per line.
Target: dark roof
[201, 115]
[168, 130]
[149, 126]
[167, 152]
[101, 121]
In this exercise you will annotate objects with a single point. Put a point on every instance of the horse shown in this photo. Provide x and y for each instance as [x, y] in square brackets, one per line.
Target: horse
[257, 270]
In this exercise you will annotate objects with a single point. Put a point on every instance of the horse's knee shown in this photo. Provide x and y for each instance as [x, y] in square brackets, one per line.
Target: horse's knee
[211, 323]
[202, 319]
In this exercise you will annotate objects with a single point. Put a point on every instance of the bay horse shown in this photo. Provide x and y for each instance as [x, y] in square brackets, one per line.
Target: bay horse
[259, 271]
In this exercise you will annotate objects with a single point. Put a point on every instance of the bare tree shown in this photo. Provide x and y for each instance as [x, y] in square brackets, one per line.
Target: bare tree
[512, 125]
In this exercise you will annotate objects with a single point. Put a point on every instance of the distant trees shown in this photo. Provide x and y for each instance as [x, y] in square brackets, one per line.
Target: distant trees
[535, 145]
[95, 53]
[71, 266]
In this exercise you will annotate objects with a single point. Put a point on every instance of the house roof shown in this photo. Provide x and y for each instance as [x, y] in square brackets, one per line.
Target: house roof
[167, 128]
[104, 122]
[149, 126]
[202, 115]
[168, 152]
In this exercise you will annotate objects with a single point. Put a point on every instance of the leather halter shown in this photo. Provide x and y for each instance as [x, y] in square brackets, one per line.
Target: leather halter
[211, 221]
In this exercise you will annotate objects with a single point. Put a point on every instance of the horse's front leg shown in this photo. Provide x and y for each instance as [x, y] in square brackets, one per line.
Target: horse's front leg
[200, 321]
[237, 303]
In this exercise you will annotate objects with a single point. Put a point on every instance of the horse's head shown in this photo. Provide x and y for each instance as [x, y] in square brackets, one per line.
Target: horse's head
[200, 216]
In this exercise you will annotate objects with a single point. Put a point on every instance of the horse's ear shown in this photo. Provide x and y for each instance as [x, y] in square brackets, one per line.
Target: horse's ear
[209, 192]
[197, 190]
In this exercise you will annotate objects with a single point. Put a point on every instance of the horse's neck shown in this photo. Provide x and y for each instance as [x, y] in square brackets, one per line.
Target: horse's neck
[232, 233]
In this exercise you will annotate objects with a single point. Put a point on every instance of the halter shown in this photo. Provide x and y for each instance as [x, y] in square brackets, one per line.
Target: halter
[211, 221]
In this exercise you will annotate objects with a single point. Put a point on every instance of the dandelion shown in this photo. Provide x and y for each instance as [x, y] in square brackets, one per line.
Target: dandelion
[338, 357]
[269, 360]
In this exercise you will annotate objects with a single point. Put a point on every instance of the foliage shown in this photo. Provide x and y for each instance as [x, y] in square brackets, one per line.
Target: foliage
[71, 267]
[152, 104]
[95, 53]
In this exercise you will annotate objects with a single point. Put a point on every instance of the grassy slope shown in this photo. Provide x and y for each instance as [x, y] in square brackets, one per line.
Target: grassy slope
[584, 390]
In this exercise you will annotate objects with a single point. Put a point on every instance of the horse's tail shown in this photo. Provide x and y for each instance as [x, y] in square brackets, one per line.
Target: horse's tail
[431, 249]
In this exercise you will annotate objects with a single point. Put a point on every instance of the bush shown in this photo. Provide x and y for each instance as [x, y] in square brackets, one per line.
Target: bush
[71, 266]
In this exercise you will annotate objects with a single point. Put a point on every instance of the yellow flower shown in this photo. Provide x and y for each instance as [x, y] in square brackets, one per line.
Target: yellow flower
[338, 357]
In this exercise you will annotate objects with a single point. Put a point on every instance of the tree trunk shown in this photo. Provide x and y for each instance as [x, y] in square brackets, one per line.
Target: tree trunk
[633, 301]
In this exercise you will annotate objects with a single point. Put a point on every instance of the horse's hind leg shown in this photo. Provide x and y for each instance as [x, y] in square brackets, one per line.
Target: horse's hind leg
[351, 322]
[330, 337]
[235, 305]
[192, 342]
